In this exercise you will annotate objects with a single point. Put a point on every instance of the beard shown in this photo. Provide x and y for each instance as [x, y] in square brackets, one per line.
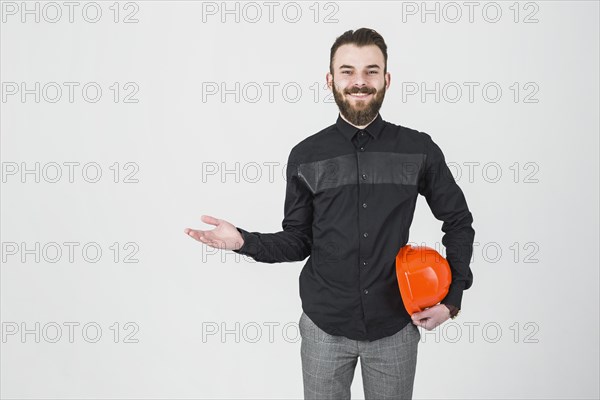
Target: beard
[361, 114]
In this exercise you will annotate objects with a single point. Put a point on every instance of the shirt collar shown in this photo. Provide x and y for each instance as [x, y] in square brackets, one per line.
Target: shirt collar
[348, 130]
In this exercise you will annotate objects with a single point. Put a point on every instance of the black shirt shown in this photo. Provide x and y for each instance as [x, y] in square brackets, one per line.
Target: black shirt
[350, 200]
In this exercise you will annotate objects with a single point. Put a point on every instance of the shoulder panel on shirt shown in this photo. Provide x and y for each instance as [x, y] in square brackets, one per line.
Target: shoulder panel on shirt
[414, 135]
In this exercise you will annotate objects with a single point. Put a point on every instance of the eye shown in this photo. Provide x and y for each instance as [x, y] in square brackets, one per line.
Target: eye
[374, 72]
[344, 72]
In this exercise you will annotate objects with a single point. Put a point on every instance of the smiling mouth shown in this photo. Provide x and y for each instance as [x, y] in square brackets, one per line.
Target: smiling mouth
[359, 95]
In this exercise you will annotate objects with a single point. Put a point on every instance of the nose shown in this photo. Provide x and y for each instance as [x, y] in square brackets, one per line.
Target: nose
[359, 81]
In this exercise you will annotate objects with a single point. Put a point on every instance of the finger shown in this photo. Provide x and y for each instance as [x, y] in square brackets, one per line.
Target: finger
[210, 220]
[427, 313]
[195, 234]
[427, 324]
[420, 321]
[433, 324]
[190, 231]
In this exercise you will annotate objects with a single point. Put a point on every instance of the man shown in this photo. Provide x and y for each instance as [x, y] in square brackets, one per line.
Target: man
[350, 199]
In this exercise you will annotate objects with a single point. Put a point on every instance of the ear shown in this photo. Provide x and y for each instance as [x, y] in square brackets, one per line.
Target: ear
[388, 80]
[329, 80]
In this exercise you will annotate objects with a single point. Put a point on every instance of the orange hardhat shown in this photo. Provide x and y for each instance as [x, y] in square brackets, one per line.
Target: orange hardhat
[424, 277]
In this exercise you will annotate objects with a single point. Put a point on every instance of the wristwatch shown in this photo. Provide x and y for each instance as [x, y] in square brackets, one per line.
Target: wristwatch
[454, 311]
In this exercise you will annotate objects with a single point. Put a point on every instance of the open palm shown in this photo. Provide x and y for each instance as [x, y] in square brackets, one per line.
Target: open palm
[225, 236]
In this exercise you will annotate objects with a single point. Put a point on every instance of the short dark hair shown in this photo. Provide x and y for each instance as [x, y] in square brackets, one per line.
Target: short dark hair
[360, 37]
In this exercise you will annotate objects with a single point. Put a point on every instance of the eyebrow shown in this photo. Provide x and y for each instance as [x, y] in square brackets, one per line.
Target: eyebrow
[351, 67]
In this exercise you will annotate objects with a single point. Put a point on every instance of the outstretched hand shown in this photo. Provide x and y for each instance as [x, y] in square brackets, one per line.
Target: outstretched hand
[225, 236]
[431, 317]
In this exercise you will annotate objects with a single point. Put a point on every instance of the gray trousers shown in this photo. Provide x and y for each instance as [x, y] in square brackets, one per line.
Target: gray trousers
[388, 365]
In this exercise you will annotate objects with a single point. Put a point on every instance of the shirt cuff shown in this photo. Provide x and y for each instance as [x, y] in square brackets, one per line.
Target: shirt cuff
[248, 240]
[453, 309]
[455, 293]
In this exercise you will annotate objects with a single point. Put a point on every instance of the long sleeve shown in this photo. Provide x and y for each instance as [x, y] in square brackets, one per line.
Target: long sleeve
[448, 204]
[294, 243]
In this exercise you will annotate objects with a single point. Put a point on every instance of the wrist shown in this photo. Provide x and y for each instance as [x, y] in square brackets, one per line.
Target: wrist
[240, 240]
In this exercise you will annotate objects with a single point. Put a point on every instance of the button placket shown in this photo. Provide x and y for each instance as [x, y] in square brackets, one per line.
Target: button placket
[364, 241]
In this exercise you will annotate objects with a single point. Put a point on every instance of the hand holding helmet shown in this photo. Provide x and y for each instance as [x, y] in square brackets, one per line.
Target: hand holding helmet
[424, 279]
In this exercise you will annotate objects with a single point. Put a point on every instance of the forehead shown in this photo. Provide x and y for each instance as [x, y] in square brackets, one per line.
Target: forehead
[358, 57]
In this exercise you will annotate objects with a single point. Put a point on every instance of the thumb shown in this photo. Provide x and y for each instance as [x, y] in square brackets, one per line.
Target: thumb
[210, 220]
[420, 314]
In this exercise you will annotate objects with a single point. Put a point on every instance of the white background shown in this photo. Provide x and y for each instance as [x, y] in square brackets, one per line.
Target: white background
[533, 306]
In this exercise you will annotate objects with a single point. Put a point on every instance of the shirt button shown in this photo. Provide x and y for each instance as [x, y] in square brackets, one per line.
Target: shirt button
[366, 291]
[362, 149]
[365, 234]
[364, 176]
[364, 263]
[362, 133]
[364, 205]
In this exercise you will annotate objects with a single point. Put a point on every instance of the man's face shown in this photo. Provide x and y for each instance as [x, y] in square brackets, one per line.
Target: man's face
[359, 84]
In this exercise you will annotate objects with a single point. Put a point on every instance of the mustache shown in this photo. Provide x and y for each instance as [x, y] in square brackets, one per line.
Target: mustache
[364, 90]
